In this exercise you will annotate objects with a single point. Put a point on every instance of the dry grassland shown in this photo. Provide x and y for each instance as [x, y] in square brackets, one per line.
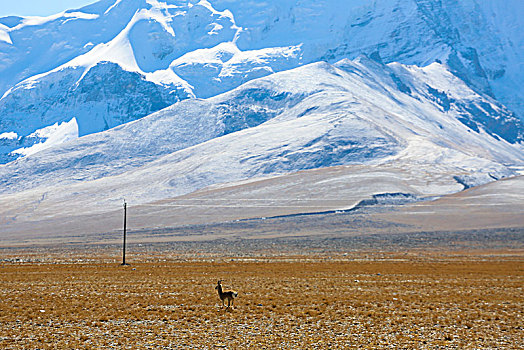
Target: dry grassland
[457, 302]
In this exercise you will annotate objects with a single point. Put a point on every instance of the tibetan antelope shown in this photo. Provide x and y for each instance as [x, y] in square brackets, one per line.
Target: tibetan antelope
[230, 295]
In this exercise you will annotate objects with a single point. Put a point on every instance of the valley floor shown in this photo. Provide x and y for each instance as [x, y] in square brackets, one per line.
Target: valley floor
[322, 293]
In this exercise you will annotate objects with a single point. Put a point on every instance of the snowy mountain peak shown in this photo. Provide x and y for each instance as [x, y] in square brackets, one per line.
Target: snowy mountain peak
[115, 61]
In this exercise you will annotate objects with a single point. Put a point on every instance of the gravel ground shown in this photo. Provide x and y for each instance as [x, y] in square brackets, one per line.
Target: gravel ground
[294, 298]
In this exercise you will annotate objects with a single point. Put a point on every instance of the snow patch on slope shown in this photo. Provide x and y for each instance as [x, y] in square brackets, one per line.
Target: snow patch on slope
[228, 67]
[4, 35]
[52, 136]
[9, 135]
[39, 21]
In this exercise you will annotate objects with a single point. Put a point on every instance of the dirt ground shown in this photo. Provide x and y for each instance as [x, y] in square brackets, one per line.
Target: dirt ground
[371, 300]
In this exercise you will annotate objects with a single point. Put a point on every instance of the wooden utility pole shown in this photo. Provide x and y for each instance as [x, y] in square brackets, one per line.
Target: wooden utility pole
[124, 245]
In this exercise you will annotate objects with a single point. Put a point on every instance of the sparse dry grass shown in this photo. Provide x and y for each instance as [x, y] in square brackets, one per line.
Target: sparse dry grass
[420, 302]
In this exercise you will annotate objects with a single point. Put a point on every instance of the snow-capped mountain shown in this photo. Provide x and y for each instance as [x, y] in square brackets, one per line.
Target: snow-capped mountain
[117, 61]
[155, 99]
[318, 115]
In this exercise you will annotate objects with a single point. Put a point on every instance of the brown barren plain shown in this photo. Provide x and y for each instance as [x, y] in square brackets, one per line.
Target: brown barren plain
[329, 300]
